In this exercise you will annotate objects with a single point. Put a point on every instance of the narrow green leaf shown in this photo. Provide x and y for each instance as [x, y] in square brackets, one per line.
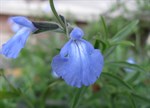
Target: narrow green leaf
[105, 27]
[48, 88]
[141, 97]
[132, 101]
[132, 76]
[99, 43]
[119, 79]
[109, 51]
[96, 45]
[69, 28]
[123, 33]
[8, 95]
[58, 49]
[126, 64]
[77, 97]
[125, 43]
[62, 18]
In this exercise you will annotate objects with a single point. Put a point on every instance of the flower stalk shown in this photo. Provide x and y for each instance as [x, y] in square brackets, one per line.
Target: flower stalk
[56, 14]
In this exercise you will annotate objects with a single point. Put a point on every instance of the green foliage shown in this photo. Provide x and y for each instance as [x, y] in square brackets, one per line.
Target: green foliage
[123, 33]
[77, 97]
[121, 84]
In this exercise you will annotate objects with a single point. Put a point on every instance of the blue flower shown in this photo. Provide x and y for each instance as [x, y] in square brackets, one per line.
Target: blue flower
[13, 46]
[78, 62]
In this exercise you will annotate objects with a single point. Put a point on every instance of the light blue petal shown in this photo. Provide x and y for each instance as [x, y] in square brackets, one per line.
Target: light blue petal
[96, 65]
[14, 26]
[12, 48]
[76, 33]
[64, 51]
[81, 67]
[23, 21]
[88, 45]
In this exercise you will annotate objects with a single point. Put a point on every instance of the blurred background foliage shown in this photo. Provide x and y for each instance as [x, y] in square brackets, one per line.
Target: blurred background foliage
[124, 82]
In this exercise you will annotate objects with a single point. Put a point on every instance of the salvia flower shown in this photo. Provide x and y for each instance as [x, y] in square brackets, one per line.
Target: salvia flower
[78, 62]
[13, 46]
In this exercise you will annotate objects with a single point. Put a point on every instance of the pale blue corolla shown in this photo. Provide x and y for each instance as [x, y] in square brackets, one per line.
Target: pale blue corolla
[78, 62]
[14, 26]
[14, 45]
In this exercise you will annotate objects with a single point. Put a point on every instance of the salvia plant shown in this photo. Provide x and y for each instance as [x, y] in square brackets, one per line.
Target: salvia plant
[78, 63]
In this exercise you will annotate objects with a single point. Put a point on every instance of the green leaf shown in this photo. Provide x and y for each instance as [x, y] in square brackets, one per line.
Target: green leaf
[105, 27]
[125, 43]
[123, 33]
[62, 18]
[48, 88]
[99, 43]
[132, 101]
[96, 45]
[8, 95]
[109, 51]
[131, 76]
[77, 97]
[126, 64]
[69, 28]
[141, 97]
[119, 79]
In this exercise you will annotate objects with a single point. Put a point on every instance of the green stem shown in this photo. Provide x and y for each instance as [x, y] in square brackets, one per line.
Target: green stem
[67, 32]
[56, 15]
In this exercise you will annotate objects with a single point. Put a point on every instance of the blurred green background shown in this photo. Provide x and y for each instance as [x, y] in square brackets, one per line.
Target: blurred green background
[28, 81]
